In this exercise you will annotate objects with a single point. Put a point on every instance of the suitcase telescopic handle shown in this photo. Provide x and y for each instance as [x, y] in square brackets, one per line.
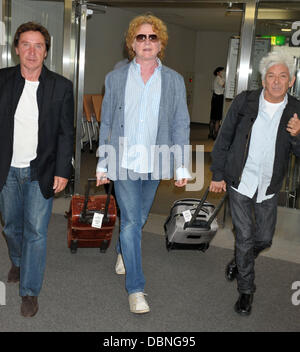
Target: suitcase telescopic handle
[87, 193]
[197, 211]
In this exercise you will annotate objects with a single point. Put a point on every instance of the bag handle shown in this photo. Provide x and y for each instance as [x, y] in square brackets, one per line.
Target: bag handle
[197, 211]
[84, 209]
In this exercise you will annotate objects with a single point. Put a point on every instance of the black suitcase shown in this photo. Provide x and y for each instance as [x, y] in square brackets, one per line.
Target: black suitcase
[197, 232]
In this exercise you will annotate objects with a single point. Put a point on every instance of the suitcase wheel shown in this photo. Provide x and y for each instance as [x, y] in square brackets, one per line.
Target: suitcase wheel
[104, 246]
[204, 247]
[73, 247]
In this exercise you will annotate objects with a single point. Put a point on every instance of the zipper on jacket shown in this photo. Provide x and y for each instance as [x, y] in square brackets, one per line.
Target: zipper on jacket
[245, 152]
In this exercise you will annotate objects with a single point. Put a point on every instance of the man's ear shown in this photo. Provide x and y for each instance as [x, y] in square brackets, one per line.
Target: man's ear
[291, 83]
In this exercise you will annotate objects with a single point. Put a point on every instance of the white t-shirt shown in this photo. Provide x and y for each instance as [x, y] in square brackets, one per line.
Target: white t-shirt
[26, 127]
[218, 85]
[271, 108]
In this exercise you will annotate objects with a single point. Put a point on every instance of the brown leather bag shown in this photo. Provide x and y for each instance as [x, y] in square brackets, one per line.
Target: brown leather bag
[80, 216]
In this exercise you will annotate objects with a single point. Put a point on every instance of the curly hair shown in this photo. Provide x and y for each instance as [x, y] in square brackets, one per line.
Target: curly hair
[35, 27]
[275, 58]
[158, 27]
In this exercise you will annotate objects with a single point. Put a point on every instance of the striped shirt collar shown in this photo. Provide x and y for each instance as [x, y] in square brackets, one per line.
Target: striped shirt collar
[137, 66]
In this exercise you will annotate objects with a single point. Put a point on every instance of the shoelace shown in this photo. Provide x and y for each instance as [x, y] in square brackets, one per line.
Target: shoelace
[139, 299]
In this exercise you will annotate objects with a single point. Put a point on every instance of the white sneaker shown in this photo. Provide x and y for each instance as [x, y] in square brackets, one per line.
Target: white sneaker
[138, 303]
[120, 268]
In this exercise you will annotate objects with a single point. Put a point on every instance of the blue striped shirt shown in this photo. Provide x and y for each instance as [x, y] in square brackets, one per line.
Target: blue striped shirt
[141, 118]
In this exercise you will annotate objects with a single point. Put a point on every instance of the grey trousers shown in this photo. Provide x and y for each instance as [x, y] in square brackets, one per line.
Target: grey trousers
[254, 225]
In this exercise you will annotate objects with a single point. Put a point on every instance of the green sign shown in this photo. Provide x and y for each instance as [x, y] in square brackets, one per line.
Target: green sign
[275, 40]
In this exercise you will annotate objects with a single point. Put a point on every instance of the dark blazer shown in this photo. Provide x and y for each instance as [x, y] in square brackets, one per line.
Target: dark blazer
[231, 148]
[56, 125]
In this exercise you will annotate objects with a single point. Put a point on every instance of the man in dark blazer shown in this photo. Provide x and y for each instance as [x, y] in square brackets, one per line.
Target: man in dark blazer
[36, 147]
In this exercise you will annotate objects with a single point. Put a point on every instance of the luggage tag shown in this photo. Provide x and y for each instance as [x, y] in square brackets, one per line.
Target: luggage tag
[187, 215]
[97, 220]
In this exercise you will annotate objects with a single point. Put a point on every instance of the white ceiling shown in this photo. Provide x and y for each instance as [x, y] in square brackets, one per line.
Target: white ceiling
[201, 17]
[214, 16]
[204, 19]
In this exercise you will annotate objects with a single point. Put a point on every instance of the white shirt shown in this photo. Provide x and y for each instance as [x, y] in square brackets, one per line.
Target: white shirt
[219, 85]
[258, 169]
[26, 127]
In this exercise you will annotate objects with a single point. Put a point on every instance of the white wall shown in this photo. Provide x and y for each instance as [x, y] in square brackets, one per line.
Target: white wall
[104, 46]
[211, 52]
[180, 52]
[51, 15]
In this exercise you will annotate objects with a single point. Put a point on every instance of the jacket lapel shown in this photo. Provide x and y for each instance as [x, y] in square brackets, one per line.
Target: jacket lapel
[121, 87]
[165, 80]
[252, 103]
[17, 87]
[287, 113]
[44, 94]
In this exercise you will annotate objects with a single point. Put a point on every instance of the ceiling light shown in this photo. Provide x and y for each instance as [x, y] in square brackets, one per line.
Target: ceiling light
[286, 30]
[232, 9]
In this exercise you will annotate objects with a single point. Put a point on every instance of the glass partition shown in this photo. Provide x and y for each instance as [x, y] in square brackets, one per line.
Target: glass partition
[50, 14]
[279, 24]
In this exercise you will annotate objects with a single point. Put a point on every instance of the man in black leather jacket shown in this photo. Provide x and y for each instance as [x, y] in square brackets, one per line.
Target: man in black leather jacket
[249, 161]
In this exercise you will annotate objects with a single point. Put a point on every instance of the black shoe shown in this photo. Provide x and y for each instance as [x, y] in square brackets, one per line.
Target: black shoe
[29, 306]
[244, 304]
[231, 270]
[14, 274]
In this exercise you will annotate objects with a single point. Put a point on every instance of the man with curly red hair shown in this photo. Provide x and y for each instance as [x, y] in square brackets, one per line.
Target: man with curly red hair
[145, 108]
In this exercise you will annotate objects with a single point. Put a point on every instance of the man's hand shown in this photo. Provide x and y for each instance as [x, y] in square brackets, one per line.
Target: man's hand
[293, 126]
[217, 186]
[181, 183]
[59, 184]
[101, 178]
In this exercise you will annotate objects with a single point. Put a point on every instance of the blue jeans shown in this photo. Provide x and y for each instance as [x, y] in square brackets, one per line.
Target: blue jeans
[135, 199]
[26, 214]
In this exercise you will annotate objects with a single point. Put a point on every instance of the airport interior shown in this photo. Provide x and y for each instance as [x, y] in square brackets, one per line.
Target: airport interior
[187, 289]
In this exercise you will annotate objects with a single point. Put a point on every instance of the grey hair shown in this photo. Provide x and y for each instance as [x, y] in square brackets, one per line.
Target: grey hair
[276, 58]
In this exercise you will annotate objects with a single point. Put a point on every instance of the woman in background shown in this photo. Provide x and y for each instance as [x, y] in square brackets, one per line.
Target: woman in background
[217, 103]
